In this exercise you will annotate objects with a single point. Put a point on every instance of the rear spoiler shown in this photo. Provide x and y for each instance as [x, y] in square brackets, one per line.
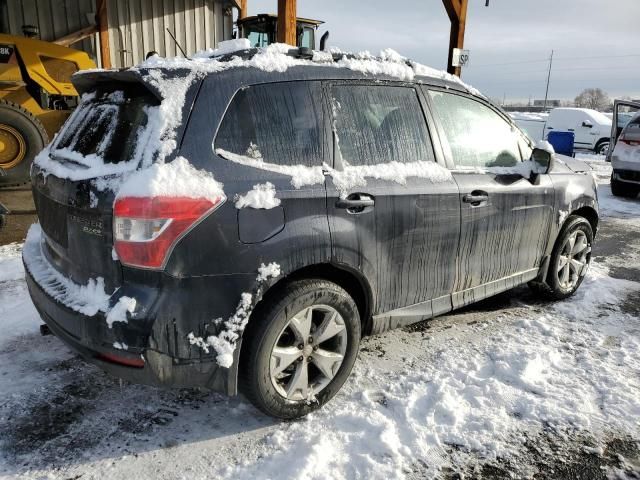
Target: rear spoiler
[87, 80]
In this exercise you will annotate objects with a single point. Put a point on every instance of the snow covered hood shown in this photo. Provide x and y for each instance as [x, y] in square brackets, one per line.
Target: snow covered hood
[573, 164]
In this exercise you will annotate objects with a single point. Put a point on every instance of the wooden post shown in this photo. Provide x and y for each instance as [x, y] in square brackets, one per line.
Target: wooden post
[457, 12]
[243, 9]
[287, 22]
[103, 29]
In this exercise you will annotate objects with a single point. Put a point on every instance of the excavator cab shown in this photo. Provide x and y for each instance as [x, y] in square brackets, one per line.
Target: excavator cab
[261, 30]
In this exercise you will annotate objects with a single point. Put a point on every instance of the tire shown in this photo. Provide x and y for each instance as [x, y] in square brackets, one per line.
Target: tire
[553, 287]
[271, 328]
[602, 147]
[622, 189]
[22, 136]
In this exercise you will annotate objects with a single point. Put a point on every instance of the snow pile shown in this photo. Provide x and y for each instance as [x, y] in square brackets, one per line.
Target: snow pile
[274, 58]
[355, 176]
[87, 299]
[348, 178]
[174, 179]
[224, 343]
[300, 174]
[566, 371]
[266, 271]
[118, 312]
[262, 195]
[225, 47]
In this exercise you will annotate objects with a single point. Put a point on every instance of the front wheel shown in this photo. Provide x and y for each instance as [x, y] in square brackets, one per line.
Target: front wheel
[300, 348]
[569, 261]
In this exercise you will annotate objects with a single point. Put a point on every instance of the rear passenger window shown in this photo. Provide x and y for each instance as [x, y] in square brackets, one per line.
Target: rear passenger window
[276, 122]
[380, 124]
[477, 136]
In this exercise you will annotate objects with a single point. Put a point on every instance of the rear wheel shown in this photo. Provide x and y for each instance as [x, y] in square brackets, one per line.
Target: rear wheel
[569, 261]
[623, 189]
[300, 349]
[22, 136]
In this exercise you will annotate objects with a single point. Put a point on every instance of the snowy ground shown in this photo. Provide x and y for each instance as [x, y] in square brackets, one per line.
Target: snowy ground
[511, 387]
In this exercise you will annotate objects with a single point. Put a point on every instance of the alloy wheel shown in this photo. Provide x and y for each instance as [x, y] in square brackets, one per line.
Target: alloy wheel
[308, 352]
[573, 260]
[12, 146]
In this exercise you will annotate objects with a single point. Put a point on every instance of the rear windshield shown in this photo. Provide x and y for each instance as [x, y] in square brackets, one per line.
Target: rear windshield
[108, 126]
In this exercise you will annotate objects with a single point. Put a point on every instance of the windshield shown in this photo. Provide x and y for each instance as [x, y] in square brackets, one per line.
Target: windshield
[107, 127]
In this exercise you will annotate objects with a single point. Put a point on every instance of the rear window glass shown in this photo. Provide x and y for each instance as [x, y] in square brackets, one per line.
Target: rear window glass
[276, 122]
[107, 126]
[380, 124]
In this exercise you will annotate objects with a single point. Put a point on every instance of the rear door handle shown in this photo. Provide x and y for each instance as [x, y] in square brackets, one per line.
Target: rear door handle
[475, 198]
[356, 203]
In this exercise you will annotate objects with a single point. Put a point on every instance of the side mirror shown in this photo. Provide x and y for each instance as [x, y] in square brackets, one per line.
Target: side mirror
[542, 157]
[587, 124]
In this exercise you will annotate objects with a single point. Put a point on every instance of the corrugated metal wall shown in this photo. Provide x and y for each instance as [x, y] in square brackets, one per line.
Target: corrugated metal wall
[135, 26]
[54, 19]
[139, 26]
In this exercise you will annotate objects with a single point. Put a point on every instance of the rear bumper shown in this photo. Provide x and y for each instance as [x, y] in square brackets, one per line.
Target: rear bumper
[159, 339]
[627, 176]
[92, 344]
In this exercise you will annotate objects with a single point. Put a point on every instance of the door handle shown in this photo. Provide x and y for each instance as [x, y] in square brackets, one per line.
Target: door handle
[356, 203]
[572, 129]
[475, 198]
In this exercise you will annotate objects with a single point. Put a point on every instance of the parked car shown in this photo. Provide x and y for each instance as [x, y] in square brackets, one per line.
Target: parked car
[348, 203]
[591, 128]
[625, 156]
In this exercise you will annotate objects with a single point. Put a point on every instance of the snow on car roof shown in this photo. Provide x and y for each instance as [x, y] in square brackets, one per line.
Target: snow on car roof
[279, 57]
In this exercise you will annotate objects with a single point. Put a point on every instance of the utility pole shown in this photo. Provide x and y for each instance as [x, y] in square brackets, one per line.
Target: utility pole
[546, 94]
[457, 12]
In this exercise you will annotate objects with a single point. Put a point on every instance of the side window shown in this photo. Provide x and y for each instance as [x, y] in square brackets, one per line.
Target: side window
[478, 136]
[380, 124]
[276, 122]
[525, 147]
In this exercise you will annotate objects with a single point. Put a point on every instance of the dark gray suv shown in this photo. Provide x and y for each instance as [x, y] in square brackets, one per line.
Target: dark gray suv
[346, 201]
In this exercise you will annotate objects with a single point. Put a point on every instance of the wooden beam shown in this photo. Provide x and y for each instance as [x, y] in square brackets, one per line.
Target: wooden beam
[287, 22]
[457, 12]
[103, 30]
[76, 36]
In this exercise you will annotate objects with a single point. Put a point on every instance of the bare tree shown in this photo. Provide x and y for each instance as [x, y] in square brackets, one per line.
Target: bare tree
[593, 98]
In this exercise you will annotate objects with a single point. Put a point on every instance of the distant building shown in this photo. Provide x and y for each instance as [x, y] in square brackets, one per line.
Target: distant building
[550, 103]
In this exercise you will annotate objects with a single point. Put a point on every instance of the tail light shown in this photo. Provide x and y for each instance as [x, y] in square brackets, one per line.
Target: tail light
[120, 360]
[145, 230]
[631, 139]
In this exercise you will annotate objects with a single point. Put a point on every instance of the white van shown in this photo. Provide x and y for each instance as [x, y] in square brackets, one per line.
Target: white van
[592, 128]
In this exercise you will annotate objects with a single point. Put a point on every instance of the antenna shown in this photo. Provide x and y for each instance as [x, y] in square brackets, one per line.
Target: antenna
[546, 94]
[177, 44]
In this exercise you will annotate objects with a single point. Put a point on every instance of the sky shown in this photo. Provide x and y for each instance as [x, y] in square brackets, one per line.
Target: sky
[595, 44]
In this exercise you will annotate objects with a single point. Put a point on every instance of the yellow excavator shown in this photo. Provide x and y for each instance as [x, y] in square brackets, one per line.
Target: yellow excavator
[36, 97]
